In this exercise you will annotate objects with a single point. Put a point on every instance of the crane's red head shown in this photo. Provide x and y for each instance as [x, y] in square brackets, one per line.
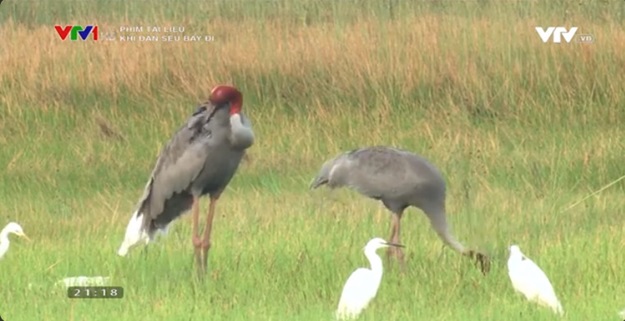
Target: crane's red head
[224, 94]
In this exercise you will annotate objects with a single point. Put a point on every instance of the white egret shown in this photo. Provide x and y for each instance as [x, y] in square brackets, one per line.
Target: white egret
[4, 236]
[362, 286]
[531, 281]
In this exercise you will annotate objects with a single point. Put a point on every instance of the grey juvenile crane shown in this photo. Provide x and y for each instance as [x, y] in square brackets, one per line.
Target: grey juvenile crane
[201, 158]
[399, 179]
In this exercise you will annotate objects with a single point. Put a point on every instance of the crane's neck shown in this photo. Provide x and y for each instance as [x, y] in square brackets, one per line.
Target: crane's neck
[236, 125]
[235, 120]
[375, 261]
[236, 104]
[242, 136]
[439, 223]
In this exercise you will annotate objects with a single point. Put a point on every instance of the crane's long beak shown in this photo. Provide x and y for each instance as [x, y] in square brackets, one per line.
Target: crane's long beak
[211, 112]
[394, 244]
[24, 236]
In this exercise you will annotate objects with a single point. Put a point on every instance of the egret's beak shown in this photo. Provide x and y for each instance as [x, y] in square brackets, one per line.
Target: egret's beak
[24, 236]
[394, 244]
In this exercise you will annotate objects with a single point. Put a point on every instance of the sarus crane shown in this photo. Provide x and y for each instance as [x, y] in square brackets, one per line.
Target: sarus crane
[399, 179]
[201, 158]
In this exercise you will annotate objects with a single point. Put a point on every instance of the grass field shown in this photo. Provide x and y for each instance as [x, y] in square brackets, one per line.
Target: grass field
[523, 130]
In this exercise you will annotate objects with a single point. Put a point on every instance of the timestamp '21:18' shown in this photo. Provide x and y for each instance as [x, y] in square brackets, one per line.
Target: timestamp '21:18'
[95, 292]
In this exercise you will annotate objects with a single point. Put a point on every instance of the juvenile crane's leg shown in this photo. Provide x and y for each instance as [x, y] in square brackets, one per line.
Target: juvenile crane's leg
[395, 232]
[206, 243]
[197, 242]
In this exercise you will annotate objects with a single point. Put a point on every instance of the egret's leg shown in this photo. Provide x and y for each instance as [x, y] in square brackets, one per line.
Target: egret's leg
[197, 242]
[206, 242]
[145, 252]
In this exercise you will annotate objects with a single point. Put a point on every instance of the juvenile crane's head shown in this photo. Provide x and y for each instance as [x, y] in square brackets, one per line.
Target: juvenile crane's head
[323, 176]
[221, 95]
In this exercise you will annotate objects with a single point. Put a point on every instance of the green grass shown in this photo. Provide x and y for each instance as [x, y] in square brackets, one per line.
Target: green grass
[522, 130]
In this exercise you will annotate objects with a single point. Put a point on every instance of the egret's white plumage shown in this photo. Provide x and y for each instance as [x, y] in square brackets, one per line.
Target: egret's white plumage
[14, 228]
[362, 286]
[84, 281]
[531, 281]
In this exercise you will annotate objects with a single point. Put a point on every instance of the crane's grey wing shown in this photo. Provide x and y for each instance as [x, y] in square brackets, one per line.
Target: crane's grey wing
[178, 165]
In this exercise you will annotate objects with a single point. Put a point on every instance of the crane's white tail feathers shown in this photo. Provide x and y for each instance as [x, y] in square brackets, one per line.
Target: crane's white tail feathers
[134, 234]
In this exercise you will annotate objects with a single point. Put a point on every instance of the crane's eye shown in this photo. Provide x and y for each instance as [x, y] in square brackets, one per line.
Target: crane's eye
[200, 110]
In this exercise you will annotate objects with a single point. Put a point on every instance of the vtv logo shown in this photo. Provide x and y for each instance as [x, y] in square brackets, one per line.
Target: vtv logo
[557, 32]
[75, 31]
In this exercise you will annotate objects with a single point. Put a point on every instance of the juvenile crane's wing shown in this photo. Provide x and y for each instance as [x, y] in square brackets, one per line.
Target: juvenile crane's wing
[178, 165]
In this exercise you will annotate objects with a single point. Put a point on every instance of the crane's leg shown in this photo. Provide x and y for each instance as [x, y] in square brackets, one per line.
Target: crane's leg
[395, 231]
[206, 242]
[197, 242]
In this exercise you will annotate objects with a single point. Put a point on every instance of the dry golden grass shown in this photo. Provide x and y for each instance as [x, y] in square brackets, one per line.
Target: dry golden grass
[467, 55]
[443, 68]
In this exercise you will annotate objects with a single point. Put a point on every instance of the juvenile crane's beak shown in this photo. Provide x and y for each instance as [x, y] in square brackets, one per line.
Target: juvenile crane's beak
[394, 244]
[318, 181]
